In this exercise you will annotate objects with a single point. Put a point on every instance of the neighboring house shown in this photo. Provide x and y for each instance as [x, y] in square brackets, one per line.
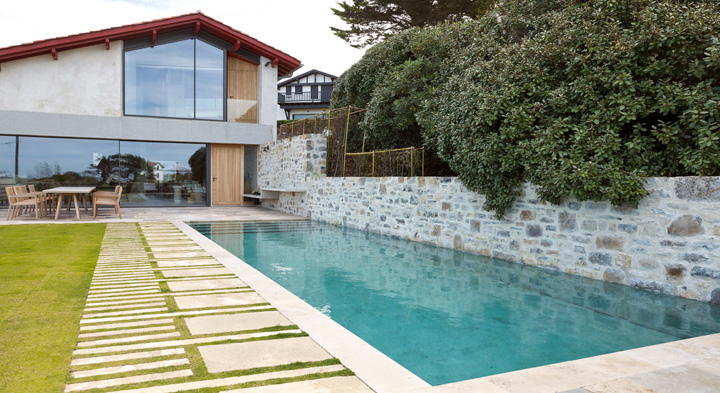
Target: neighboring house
[305, 95]
[188, 93]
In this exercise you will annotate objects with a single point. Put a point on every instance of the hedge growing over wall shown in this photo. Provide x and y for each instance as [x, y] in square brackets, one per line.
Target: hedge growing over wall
[581, 98]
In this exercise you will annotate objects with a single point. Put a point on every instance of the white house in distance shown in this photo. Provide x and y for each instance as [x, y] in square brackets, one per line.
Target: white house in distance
[103, 108]
[305, 95]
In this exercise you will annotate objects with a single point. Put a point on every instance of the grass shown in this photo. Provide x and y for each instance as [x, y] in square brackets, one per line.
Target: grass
[45, 273]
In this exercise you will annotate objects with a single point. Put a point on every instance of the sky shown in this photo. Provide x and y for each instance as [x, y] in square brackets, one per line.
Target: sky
[300, 28]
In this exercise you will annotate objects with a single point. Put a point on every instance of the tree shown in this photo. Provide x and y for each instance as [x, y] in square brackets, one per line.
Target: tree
[372, 21]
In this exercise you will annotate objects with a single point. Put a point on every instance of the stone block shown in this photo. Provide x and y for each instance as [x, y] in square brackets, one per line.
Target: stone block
[703, 271]
[589, 225]
[614, 275]
[609, 242]
[674, 271]
[218, 300]
[193, 285]
[212, 324]
[595, 207]
[266, 353]
[698, 188]
[600, 258]
[652, 285]
[574, 205]
[686, 225]
[567, 221]
[715, 296]
[533, 230]
[623, 261]
[705, 246]
[627, 228]
[694, 258]
[673, 244]
[436, 230]
[527, 215]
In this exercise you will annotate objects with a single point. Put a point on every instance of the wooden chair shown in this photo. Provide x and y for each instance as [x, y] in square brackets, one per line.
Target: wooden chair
[107, 198]
[48, 200]
[18, 204]
[19, 190]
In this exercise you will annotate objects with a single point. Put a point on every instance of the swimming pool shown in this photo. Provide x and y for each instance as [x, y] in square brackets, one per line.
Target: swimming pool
[449, 316]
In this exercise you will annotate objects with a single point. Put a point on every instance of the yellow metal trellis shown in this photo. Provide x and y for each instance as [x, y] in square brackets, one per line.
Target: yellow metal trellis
[390, 162]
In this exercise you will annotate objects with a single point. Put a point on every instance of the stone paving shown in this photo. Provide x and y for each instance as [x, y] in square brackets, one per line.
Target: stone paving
[162, 315]
[153, 214]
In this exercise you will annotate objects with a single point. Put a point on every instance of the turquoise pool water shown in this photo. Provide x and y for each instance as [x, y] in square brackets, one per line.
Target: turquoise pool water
[447, 315]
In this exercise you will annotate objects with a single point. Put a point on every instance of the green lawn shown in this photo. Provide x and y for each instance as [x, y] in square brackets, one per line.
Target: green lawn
[45, 273]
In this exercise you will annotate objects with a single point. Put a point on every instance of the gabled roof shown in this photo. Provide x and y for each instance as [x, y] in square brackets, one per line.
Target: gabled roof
[297, 78]
[285, 63]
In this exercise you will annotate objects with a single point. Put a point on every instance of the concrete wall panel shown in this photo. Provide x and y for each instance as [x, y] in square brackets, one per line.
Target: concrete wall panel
[85, 81]
[268, 95]
[132, 128]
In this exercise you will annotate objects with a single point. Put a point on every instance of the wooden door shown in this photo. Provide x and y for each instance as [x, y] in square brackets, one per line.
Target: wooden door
[242, 91]
[228, 170]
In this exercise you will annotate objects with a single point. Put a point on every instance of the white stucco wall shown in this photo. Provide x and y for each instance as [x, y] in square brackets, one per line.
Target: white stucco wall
[268, 95]
[311, 112]
[84, 81]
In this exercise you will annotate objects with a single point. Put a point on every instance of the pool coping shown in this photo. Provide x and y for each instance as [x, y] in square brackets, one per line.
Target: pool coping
[384, 375]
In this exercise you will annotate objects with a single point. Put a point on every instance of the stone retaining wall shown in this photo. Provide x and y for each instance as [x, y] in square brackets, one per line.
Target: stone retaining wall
[671, 243]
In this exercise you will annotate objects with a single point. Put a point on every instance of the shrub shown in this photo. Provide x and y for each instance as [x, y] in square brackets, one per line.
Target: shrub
[581, 98]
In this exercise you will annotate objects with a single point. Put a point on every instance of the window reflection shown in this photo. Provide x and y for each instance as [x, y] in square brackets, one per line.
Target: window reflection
[151, 173]
[163, 174]
[7, 165]
[159, 81]
[52, 162]
[250, 175]
[182, 79]
[208, 81]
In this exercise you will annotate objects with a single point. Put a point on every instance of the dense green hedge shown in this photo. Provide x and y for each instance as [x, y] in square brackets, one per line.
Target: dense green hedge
[580, 98]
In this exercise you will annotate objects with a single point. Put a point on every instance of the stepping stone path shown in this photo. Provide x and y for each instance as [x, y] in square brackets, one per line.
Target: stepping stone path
[164, 316]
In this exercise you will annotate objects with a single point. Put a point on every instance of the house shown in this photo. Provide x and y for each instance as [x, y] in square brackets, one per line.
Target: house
[105, 107]
[305, 95]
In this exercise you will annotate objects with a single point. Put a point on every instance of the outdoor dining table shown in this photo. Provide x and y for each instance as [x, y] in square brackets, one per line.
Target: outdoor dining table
[70, 191]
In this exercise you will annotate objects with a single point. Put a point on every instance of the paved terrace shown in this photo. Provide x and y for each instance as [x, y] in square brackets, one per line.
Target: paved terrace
[170, 311]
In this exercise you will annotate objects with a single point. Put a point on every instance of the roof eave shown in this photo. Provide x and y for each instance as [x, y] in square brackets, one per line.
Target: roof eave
[285, 62]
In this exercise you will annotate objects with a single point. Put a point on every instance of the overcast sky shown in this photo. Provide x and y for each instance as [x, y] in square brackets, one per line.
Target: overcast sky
[299, 28]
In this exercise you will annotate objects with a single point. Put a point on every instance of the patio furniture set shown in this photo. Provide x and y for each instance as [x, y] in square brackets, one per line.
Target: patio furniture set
[26, 200]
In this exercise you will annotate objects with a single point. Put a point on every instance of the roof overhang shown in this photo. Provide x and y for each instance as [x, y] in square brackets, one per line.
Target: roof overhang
[286, 64]
[304, 74]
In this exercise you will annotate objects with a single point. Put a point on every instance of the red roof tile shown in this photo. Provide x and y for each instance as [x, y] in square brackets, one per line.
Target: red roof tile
[285, 62]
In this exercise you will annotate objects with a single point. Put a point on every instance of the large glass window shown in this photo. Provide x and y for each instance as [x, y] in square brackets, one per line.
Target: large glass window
[209, 82]
[151, 173]
[53, 162]
[7, 165]
[251, 169]
[163, 174]
[182, 79]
